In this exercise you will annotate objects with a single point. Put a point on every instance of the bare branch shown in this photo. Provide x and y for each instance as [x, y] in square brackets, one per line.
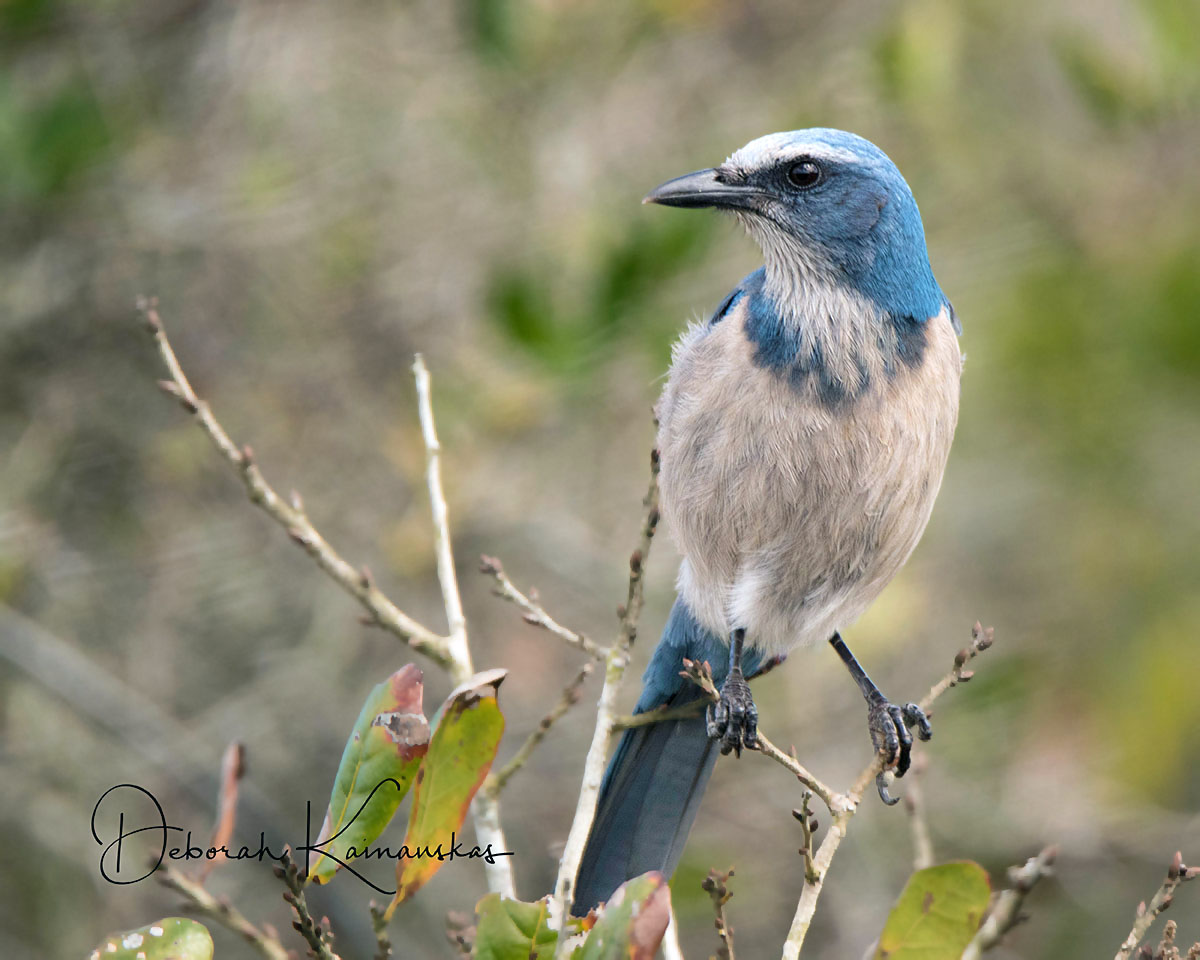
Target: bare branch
[833, 800]
[451, 652]
[843, 806]
[316, 934]
[716, 885]
[1177, 873]
[291, 516]
[535, 614]
[233, 768]
[460, 652]
[614, 670]
[485, 807]
[379, 924]
[570, 696]
[981, 639]
[808, 827]
[1006, 911]
[684, 711]
[914, 803]
[221, 911]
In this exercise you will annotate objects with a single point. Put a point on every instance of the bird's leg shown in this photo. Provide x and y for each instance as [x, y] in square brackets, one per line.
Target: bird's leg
[733, 720]
[887, 722]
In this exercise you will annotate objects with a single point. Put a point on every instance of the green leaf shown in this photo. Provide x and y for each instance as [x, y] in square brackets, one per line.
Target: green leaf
[467, 731]
[512, 930]
[172, 938]
[378, 765]
[937, 913]
[633, 922]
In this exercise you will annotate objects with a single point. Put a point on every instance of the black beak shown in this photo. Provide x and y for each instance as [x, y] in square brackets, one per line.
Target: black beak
[704, 189]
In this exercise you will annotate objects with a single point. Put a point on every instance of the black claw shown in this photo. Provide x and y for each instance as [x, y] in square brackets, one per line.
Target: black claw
[888, 723]
[882, 786]
[914, 716]
[733, 720]
[750, 728]
[889, 726]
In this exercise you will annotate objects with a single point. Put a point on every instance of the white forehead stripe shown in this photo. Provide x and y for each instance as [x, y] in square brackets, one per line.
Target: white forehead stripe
[777, 147]
[758, 154]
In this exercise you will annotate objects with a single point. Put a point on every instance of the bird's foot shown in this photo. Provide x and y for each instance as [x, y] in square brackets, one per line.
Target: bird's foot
[889, 726]
[733, 719]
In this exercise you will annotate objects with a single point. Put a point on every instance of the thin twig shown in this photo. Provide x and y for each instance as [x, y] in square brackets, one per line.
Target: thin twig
[233, 768]
[221, 911]
[614, 670]
[316, 934]
[716, 885]
[456, 641]
[659, 714]
[830, 797]
[1006, 911]
[1177, 873]
[485, 807]
[843, 806]
[379, 924]
[981, 639]
[535, 614]
[291, 516]
[808, 827]
[914, 803]
[570, 696]
[451, 652]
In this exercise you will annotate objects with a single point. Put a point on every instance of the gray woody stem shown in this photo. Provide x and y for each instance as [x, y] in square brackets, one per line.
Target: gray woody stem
[1177, 873]
[843, 806]
[534, 613]
[615, 663]
[222, 911]
[451, 652]
[1006, 911]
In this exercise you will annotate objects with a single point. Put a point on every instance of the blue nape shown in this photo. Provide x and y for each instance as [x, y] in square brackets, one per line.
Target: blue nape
[655, 779]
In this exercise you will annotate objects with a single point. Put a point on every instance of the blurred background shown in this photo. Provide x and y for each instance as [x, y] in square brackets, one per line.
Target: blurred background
[317, 191]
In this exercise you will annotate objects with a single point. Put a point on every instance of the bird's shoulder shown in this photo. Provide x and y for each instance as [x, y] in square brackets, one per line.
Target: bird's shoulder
[749, 289]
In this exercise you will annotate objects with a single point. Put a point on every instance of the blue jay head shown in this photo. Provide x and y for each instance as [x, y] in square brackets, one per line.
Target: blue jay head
[827, 206]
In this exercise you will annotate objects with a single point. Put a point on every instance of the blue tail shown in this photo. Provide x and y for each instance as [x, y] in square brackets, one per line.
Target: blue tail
[656, 778]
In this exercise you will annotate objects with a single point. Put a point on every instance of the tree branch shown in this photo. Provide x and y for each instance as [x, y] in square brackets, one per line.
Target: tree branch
[716, 885]
[456, 642]
[808, 827]
[379, 924]
[317, 935]
[291, 516]
[842, 807]
[1006, 911]
[1177, 873]
[683, 712]
[614, 670]
[833, 800]
[485, 807]
[221, 911]
[570, 696]
[914, 804]
[535, 614]
[451, 652]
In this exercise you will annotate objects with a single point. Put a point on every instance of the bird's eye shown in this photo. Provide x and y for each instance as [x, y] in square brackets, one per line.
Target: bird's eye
[804, 174]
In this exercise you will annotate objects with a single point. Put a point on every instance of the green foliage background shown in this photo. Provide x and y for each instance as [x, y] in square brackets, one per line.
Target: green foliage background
[316, 191]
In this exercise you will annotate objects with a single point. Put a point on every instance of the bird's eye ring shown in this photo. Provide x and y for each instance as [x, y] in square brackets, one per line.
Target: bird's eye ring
[804, 174]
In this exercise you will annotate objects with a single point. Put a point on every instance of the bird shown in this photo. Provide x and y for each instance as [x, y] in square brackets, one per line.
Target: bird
[803, 431]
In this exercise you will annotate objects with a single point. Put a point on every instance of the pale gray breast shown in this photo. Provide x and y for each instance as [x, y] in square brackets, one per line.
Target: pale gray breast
[792, 515]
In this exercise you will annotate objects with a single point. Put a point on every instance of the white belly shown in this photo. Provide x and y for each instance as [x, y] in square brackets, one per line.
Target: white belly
[792, 516]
